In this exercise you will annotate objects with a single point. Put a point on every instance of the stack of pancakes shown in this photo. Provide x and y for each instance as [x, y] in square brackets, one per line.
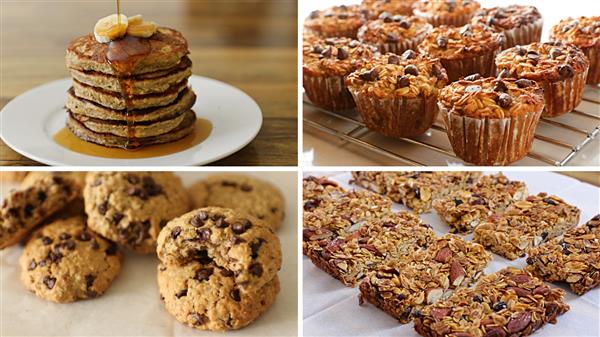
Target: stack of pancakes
[130, 92]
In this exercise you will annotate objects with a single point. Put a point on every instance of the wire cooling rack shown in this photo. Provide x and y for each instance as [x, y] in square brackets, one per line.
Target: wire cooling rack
[557, 140]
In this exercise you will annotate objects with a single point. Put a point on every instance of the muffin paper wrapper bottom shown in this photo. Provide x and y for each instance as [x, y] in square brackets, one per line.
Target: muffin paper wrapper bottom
[563, 96]
[397, 117]
[328, 92]
[523, 35]
[484, 64]
[484, 141]
[593, 54]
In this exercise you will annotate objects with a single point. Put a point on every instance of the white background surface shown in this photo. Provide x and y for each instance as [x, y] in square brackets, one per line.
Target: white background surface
[331, 309]
[322, 150]
[131, 306]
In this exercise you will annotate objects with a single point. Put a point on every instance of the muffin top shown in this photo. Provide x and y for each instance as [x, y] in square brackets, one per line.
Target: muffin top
[582, 32]
[336, 19]
[408, 75]
[446, 7]
[336, 56]
[478, 97]
[551, 61]
[505, 18]
[457, 42]
[392, 29]
[394, 7]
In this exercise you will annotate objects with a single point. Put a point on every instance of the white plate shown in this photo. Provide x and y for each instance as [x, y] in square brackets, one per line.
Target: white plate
[30, 121]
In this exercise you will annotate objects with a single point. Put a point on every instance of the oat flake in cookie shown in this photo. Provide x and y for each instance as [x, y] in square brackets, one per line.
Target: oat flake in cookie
[22, 210]
[218, 268]
[130, 208]
[65, 262]
[244, 193]
[560, 69]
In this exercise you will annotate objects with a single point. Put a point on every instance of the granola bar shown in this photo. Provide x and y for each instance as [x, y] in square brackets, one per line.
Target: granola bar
[402, 288]
[465, 209]
[315, 190]
[509, 302]
[526, 224]
[416, 190]
[574, 259]
[348, 258]
[342, 215]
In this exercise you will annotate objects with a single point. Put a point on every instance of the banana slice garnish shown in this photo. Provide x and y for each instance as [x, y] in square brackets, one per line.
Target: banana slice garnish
[140, 28]
[110, 28]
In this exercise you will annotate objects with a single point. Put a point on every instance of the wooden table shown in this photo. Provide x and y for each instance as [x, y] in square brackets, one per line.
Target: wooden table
[249, 44]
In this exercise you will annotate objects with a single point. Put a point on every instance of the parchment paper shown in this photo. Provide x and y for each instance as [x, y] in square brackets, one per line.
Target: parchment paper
[131, 307]
[331, 309]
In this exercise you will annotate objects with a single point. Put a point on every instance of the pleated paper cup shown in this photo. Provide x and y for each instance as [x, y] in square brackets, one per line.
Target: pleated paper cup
[484, 64]
[593, 54]
[564, 96]
[523, 35]
[397, 117]
[400, 46]
[488, 141]
[328, 92]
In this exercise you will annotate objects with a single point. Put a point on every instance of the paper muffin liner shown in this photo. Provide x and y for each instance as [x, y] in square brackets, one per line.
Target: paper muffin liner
[523, 35]
[486, 141]
[338, 32]
[562, 97]
[328, 92]
[397, 117]
[484, 64]
[593, 54]
[441, 19]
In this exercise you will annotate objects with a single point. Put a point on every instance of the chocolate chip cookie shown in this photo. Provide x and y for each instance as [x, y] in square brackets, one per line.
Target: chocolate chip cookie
[31, 177]
[244, 193]
[130, 208]
[218, 268]
[24, 209]
[65, 262]
[206, 296]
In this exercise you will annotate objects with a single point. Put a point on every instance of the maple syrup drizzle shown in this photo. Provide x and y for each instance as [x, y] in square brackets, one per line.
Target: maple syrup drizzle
[202, 130]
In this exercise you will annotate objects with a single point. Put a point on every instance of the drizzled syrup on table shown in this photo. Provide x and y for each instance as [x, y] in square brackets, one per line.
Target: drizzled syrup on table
[201, 131]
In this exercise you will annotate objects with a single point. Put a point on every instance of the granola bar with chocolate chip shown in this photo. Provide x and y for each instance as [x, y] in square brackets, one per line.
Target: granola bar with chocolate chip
[465, 209]
[509, 302]
[574, 259]
[349, 258]
[402, 288]
[526, 224]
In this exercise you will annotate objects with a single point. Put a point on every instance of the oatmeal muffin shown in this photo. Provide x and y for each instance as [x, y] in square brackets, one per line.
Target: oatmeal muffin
[491, 121]
[337, 21]
[446, 12]
[326, 62]
[520, 24]
[394, 7]
[583, 32]
[394, 34]
[558, 68]
[397, 95]
[463, 51]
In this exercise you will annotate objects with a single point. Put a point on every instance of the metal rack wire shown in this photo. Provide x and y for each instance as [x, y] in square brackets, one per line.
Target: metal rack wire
[557, 140]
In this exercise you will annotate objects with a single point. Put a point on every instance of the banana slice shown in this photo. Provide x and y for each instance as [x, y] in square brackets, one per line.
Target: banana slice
[110, 28]
[139, 28]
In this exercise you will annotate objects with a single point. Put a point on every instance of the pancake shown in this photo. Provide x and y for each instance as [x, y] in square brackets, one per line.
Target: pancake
[80, 106]
[137, 130]
[154, 82]
[110, 140]
[166, 48]
[116, 101]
